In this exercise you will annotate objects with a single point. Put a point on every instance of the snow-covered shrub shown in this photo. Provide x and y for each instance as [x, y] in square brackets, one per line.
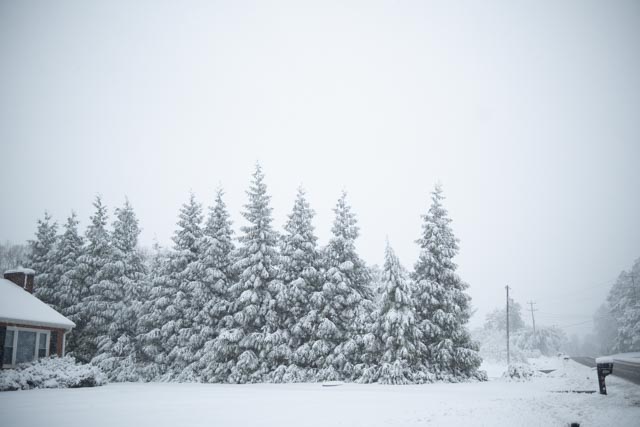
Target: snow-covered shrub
[518, 372]
[51, 372]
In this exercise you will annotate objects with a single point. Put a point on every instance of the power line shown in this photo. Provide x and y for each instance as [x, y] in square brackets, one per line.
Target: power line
[575, 324]
[547, 314]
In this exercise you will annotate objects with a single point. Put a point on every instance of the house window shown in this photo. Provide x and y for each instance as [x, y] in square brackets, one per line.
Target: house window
[24, 345]
[42, 345]
[26, 350]
[8, 348]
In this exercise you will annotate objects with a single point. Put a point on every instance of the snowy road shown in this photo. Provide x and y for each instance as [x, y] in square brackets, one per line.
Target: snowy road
[626, 369]
[494, 403]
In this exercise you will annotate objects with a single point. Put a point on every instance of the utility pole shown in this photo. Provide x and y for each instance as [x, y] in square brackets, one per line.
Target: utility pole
[508, 353]
[533, 319]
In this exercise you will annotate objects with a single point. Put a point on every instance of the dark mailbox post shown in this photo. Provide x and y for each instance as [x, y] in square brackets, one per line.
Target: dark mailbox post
[605, 367]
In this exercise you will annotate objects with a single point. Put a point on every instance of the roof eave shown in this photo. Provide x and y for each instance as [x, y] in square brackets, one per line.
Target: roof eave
[51, 325]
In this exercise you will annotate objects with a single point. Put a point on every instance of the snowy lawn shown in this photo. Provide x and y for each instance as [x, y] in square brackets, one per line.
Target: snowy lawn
[494, 403]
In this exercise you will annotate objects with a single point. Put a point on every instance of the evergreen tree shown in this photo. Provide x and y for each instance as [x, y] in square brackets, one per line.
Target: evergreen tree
[300, 274]
[157, 318]
[398, 340]
[251, 336]
[69, 290]
[441, 301]
[191, 294]
[218, 276]
[115, 300]
[42, 259]
[346, 298]
[90, 271]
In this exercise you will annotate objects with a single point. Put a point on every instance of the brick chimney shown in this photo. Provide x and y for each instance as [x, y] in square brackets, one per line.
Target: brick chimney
[22, 277]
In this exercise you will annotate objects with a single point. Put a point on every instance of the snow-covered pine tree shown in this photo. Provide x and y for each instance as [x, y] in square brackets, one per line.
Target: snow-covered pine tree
[167, 315]
[377, 282]
[97, 253]
[41, 259]
[154, 324]
[440, 298]
[217, 249]
[300, 274]
[398, 339]
[73, 288]
[346, 300]
[115, 300]
[70, 289]
[251, 336]
[187, 291]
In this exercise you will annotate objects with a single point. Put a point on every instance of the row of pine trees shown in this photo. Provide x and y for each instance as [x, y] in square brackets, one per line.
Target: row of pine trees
[265, 307]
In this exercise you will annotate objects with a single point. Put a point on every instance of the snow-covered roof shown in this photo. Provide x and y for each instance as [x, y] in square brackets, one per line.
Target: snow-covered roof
[21, 270]
[19, 306]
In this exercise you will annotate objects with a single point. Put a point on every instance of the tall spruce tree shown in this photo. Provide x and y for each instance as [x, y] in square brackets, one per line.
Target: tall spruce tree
[218, 275]
[300, 274]
[115, 300]
[346, 295]
[73, 285]
[83, 342]
[252, 337]
[398, 340]
[70, 290]
[42, 260]
[167, 316]
[184, 281]
[157, 318]
[441, 301]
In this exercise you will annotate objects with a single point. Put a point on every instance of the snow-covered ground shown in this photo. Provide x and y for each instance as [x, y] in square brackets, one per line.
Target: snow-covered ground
[494, 403]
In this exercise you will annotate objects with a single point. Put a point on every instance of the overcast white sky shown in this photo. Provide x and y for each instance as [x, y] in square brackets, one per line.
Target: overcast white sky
[527, 112]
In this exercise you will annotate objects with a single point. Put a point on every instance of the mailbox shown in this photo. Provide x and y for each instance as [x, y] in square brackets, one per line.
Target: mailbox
[605, 367]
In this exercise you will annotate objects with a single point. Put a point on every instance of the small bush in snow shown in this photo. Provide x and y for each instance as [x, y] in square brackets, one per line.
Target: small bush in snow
[518, 372]
[53, 372]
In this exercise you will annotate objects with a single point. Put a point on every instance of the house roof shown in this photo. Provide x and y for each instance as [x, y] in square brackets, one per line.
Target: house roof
[19, 306]
[20, 270]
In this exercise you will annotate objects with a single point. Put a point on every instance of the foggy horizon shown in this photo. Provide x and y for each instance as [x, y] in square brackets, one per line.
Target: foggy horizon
[527, 115]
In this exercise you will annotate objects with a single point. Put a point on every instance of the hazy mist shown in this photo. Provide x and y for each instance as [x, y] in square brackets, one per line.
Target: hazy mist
[527, 112]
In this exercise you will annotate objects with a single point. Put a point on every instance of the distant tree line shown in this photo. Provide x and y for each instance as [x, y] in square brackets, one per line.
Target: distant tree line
[12, 255]
[524, 343]
[616, 327]
[263, 307]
